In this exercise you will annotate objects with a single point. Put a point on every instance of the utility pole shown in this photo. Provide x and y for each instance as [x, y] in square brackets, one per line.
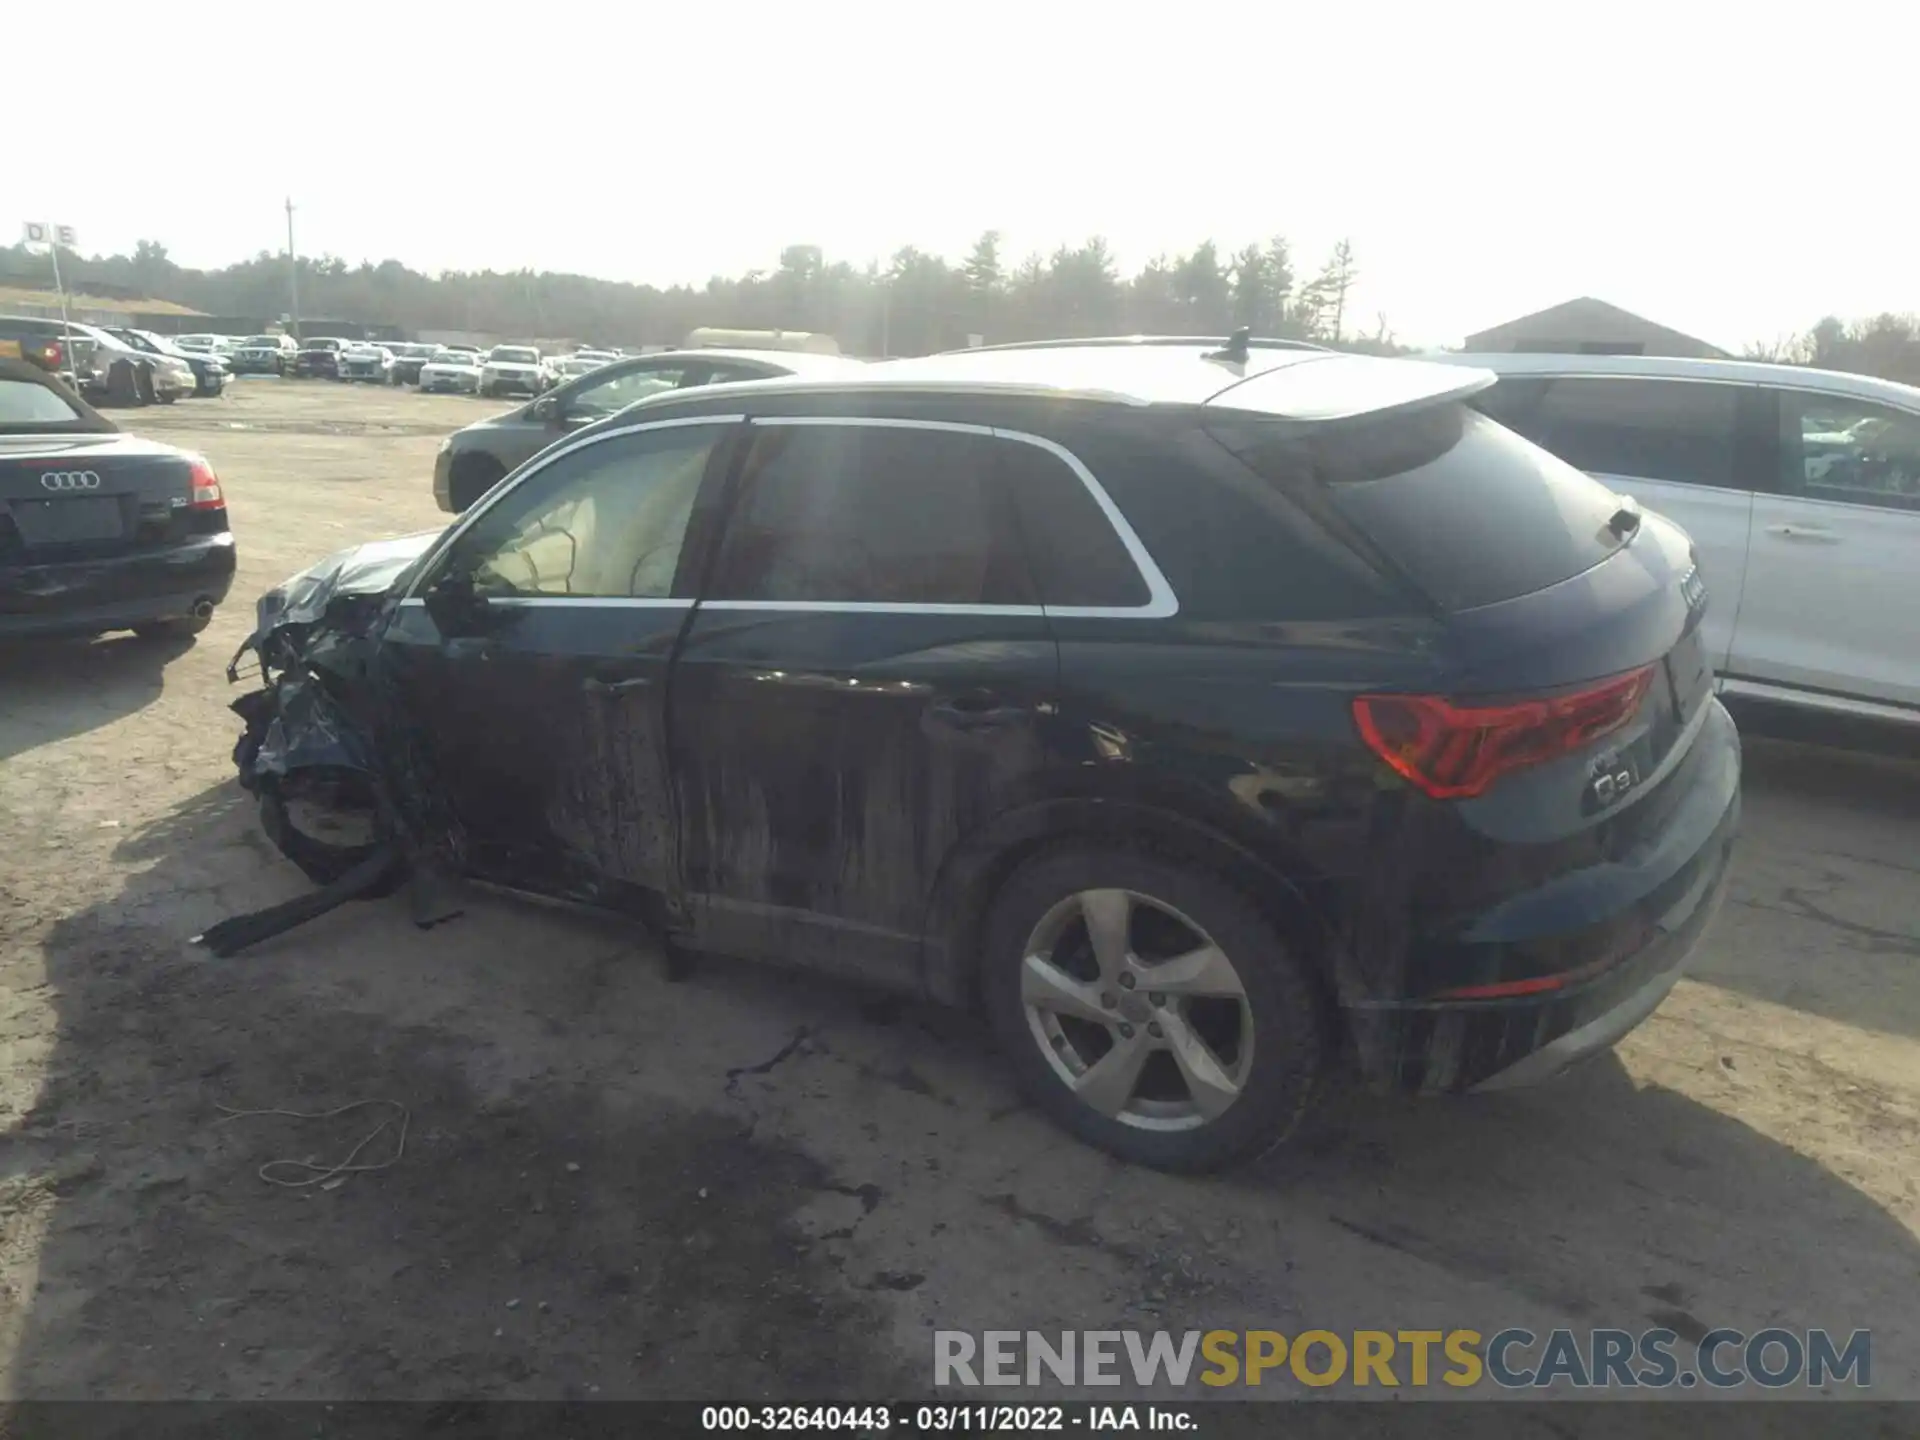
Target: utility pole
[293, 271]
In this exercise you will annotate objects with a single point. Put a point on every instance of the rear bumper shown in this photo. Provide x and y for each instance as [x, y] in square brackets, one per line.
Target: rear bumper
[86, 597]
[1669, 895]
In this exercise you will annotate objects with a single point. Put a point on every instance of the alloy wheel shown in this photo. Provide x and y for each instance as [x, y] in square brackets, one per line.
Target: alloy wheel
[1137, 1010]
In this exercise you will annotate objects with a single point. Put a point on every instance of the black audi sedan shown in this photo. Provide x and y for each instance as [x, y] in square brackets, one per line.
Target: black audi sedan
[1210, 715]
[100, 530]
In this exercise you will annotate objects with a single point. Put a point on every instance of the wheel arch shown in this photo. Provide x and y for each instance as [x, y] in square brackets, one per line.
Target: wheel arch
[976, 868]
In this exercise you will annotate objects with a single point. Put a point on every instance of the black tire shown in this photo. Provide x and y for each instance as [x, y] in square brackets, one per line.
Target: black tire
[472, 477]
[143, 385]
[175, 629]
[123, 385]
[321, 860]
[1289, 1026]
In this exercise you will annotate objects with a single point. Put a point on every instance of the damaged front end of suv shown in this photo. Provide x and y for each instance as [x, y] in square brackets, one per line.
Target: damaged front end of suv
[323, 751]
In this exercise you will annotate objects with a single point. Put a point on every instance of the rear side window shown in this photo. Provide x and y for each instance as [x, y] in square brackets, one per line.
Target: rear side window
[1678, 430]
[1233, 546]
[1469, 511]
[1075, 554]
[870, 515]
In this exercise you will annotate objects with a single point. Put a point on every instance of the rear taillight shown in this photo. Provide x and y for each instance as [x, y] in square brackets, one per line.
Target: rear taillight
[206, 486]
[1453, 751]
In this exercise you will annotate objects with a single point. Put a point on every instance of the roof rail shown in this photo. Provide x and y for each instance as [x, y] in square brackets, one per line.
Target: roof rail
[1212, 342]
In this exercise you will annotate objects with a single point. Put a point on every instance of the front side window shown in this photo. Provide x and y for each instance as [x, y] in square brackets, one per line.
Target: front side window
[612, 393]
[871, 515]
[1835, 448]
[605, 521]
[1677, 430]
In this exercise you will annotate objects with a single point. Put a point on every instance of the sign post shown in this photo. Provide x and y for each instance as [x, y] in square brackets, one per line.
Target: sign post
[37, 232]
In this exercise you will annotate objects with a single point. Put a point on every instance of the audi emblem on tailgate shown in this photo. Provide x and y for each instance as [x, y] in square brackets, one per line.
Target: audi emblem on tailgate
[70, 480]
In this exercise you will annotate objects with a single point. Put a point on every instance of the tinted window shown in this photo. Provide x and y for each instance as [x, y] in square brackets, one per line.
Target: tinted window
[1230, 542]
[1469, 511]
[606, 520]
[870, 514]
[1834, 448]
[727, 374]
[603, 395]
[1678, 430]
[1075, 554]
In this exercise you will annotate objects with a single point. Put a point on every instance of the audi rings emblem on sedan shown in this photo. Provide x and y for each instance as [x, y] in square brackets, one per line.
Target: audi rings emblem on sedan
[70, 480]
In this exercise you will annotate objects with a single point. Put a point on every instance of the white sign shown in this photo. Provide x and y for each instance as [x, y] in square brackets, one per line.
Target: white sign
[39, 232]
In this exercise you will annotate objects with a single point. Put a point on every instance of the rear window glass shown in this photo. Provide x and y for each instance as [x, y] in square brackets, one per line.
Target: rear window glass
[1469, 511]
[26, 404]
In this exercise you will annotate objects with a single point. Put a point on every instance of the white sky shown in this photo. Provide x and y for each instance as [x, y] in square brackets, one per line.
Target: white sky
[1733, 170]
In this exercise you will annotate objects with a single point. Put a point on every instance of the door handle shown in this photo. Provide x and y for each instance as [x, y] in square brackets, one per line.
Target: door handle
[594, 685]
[1804, 532]
[976, 712]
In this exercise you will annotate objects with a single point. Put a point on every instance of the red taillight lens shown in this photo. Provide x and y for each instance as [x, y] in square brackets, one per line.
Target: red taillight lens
[206, 487]
[1454, 752]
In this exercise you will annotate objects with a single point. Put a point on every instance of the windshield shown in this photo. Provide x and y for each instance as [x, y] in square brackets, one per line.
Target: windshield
[269, 341]
[452, 357]
[511, 356]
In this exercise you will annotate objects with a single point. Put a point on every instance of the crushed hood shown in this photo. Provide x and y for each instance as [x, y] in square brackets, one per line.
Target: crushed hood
[369, 569]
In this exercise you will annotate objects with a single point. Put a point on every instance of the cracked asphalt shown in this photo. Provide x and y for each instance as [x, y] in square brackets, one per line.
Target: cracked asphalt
[757, 1183]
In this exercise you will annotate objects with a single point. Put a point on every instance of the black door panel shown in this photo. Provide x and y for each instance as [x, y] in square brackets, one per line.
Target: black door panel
[827, 763]
[866, 680]
[544, 740]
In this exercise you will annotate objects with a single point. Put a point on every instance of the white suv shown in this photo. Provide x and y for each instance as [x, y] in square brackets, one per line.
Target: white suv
[1801, 489]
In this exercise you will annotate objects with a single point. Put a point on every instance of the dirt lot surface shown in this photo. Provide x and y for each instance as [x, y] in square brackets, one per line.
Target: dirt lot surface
[757, 1183]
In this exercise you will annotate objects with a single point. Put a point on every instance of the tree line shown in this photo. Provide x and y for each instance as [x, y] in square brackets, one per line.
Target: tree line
[1887, 345]
[915, 303]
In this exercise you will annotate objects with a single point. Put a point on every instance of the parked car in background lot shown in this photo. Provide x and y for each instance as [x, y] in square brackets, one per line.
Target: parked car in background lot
[98, 365]
[366, 360]
[514, 369]
[566, 367]
[456, 370]
[1801, 488]
[40, 342]
[100, 530]
[221, 345]
[1205, 712]
[265, 355]
[408, 357]
[319, 357]
[210, 372]
[472, 460]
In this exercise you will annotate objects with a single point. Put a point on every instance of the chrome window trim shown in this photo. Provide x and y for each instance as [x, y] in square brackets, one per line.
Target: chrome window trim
[539, 465]
[1161, 602]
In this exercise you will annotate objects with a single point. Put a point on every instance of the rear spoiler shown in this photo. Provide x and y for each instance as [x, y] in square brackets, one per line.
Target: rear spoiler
[1342, 387]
